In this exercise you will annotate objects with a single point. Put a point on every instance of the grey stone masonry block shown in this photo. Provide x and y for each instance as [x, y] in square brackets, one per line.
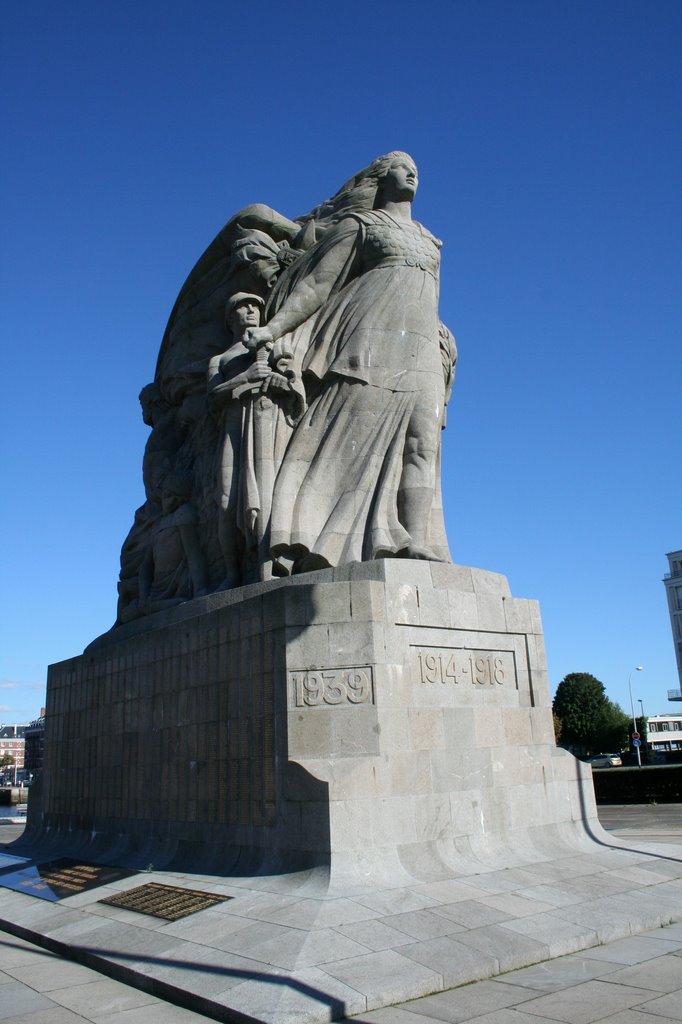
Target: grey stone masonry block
[384, 706]
[329, 602]
[402, 603]
[434, 607]
[446, 576]
[486, 582]
[491, 615]
[367, 601]
[518, 615]
[463, 609]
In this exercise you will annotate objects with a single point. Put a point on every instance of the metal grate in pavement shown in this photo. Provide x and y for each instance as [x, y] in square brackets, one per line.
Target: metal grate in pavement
[166, 901]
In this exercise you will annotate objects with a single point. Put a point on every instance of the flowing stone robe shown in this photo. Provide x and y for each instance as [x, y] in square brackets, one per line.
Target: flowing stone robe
[375, 350]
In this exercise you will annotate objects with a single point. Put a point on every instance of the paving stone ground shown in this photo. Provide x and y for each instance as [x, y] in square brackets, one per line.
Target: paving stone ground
[637, 980]
[634, 980]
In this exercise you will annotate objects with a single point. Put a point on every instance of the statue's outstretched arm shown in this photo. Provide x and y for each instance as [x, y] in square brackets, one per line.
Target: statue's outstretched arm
[313, 290]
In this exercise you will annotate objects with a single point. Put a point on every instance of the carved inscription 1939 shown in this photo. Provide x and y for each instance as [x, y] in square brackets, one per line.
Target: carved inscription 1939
[457, 666]
[330, 687]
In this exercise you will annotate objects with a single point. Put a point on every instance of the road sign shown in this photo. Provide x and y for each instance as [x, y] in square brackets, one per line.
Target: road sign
[636, 736]
[637, 742]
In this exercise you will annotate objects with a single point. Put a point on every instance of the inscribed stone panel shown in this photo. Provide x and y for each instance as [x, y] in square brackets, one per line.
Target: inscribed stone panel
[460, 665]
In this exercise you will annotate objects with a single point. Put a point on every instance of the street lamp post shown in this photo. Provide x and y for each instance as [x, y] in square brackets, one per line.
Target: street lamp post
[638, 668]
[642, 726]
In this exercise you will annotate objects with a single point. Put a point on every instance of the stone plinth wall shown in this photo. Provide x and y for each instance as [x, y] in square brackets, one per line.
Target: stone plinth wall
[177, 725]
[388, 717]
[167, 737]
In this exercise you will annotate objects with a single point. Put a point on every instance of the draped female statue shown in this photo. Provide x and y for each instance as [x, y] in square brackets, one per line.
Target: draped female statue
[360, 477]
[341, 424]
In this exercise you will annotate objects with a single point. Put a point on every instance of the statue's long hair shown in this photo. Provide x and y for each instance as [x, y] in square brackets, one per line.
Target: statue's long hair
[357, 195]
[359, 192]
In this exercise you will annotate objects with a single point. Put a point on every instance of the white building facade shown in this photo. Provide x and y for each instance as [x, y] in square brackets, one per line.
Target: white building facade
[664, 732]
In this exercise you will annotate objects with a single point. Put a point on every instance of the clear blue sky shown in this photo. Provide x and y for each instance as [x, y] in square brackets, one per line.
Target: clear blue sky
[549, 145]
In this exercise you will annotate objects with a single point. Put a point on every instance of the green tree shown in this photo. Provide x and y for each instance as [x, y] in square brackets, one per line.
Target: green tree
[589, 720]
[6, 761]
[615, 728]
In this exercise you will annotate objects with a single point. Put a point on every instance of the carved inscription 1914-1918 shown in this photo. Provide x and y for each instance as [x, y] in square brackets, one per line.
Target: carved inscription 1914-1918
[461, 666]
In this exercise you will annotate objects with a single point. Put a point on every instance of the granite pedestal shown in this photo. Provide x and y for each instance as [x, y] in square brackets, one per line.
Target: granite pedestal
[384, 720]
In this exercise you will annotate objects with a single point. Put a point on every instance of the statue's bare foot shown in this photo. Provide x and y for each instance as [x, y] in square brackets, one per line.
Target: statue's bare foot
[421, 552]
[310, 562]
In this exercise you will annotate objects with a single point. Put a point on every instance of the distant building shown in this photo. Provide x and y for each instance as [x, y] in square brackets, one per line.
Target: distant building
[673, 587]
[664, 732]
[12, 745]
[34, 737]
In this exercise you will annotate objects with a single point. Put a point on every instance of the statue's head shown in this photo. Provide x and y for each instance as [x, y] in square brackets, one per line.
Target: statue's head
[360, 192]
[256, 253]
[152, 402]
[396, 176]
[242, 310]
[380, 167]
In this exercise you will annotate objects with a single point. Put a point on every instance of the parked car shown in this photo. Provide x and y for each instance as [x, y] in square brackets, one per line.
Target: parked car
[606, 761]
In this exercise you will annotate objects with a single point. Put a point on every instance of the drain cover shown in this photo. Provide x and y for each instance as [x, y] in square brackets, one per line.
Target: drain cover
[167, 901]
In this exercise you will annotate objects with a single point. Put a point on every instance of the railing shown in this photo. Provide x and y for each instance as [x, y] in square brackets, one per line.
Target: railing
[673, 575]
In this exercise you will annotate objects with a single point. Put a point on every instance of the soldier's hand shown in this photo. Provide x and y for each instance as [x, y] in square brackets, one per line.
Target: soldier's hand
[257, 337]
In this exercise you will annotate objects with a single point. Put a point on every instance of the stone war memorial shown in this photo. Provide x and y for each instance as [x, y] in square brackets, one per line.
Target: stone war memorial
[308, 724]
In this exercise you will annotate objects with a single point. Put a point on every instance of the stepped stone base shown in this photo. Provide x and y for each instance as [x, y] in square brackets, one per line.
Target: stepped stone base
[387, 721]
[285, 950]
